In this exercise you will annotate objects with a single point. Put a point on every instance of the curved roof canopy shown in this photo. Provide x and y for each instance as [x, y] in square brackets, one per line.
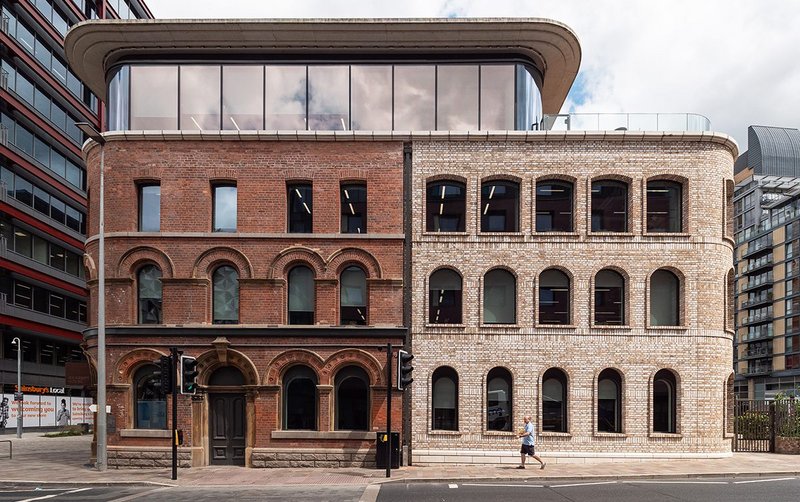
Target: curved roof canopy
[774, 150]
[93, 47]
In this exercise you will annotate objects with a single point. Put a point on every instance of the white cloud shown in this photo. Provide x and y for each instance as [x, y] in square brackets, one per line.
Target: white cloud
[735, 61]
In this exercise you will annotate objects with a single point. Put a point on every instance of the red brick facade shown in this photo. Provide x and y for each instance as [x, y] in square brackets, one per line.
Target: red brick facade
[261, 346]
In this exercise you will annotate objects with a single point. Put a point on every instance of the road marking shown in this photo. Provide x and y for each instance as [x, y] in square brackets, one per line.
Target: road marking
[56, 495]
[370, 493]
[502, 485]
[761, 480]
[585, 484]
[452, 486]
[676, 482]
[141, 494]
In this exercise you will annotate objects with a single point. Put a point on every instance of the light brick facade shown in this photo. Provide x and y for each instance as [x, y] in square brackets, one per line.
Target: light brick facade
[698, 352]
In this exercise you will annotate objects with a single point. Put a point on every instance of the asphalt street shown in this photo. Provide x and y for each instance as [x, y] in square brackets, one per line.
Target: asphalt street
[694, 490]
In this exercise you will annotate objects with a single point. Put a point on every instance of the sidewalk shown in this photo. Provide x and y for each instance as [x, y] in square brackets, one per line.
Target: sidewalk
[64, 460]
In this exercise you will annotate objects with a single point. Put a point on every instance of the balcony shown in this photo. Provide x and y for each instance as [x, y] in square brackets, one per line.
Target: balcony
[758, 370]
[758, 282]
[757, 318]
[756, 353]
[758, 264]
[759, 300]
[684, 122]
[759, 335]
[757, 246]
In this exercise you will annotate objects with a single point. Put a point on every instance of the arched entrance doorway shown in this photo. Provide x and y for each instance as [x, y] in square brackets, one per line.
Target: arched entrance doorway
[227, 417]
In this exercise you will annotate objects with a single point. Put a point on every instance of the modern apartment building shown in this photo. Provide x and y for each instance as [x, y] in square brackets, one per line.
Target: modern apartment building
[289, 196]
[43, 195]
[767, 224]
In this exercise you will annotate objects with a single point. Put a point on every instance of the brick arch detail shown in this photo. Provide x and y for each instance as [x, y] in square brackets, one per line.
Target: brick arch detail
[296, 255]
[352, 357]
[210, 361]
[353, 256]
[445, 177]
[133, 258]
[502, 177]
[90, 266]
[560, 268]
[285, 360]
[668, 177]
[557, 177]
[615, 268]
[132, 361]
[210, 258]
[613, 177]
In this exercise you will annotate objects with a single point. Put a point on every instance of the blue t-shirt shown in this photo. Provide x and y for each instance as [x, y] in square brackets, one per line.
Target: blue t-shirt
[529, 438]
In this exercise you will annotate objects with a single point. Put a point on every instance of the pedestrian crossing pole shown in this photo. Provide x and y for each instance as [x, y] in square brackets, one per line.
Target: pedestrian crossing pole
[174, 364]
[389, 410]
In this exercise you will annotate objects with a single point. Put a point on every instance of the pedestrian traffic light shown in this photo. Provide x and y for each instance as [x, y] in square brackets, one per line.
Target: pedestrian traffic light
[188, 375]
[404, 369]
[162, 380]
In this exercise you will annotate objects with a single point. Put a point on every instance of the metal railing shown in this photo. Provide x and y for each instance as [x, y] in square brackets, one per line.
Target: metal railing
[757, 300]
[625, 122]
[3, 79]
[3, 135]
[4, 24]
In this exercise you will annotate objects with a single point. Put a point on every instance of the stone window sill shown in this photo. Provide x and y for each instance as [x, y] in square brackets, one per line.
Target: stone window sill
[436, 432]
[556, 326]
[666, 435]
[499, 326]
[679, 235]
[536, 234]
[611, 234]
[610, 435]
[444, 234]
[499, 433]
[356, 435]
[555, 434]
[612, 326]
[501, 234]
[667, 328]
[145, 433]
[432, 325]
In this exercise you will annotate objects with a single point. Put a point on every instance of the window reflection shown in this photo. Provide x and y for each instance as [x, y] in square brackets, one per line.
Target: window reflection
[154, 97]
[199, 95]
[225, 206]
[456, 98]
[328, 98]
[242, 97]
[371, 88]
[414, 91]
[286, 97]
[497, 97]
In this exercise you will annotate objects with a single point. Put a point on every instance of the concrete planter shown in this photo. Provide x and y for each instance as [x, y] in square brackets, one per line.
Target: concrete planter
[787, 445]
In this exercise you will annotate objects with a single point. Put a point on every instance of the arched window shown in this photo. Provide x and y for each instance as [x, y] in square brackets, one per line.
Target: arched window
[300, 399]
[354, 209]
[554, 401]
[554, 203]
[498, 400]
[301, 295]
[609, 206]
[444, 297]
[499, 297]
[149, 286]
[665, 402]
[609, 298]
[352, 399]
[446, 206]
[225, 285]
[150, 404]
[445, 399]
[500, 206]
[665, 290]
[554, 296]
[609, 401]
[664, 206]
[353, 296]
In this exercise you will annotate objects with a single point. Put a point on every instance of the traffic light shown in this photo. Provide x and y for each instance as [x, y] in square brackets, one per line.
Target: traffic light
[163, 375]
[188, 375]
[404, 369]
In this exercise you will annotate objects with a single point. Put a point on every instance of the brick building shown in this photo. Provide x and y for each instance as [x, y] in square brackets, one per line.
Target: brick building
[43, 198]
[273, 182]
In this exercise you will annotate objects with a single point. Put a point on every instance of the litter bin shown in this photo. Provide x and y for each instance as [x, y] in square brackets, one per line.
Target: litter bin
[383, 443]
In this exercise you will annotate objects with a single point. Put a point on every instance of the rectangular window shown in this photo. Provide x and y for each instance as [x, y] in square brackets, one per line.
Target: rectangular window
[41, 250]
[497, 97]
[328, 98]
[200, 98]
[41, 200]
[286, 98]
[457, 98]
[149, 208]
[242, 97]
[225, 205]
[22, 242]
[300, 204]
[414, 98]
[58, 258]
[154, 97]
[354, 209]
[371, 89]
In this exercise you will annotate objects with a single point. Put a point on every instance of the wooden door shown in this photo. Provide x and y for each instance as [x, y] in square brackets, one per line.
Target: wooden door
[227, 434]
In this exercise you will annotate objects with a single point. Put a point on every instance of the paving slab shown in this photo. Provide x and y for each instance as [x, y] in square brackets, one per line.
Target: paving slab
[65, 460]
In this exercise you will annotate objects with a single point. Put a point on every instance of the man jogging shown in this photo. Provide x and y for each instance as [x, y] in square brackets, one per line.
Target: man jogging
[527, 444]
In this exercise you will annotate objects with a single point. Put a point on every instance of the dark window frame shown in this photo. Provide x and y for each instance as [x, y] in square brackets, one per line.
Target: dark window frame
[610, 420]
[214, 200]
[353, 212]
[606, 207]
[665, 414]
[555, 418]
[496, 420]
[551, 206]
[508, 203]
[440, 420]
[456, 205]
[149, 305]
[610, 297]
[455, 314]
[556, 295]
[655, 219]
[298, 205]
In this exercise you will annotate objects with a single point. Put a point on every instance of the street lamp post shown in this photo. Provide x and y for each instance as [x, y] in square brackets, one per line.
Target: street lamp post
[16, 341]
[102, 436]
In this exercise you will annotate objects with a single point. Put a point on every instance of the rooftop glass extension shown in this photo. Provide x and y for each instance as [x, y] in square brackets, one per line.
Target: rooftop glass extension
[328, 97]
[625, 122]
